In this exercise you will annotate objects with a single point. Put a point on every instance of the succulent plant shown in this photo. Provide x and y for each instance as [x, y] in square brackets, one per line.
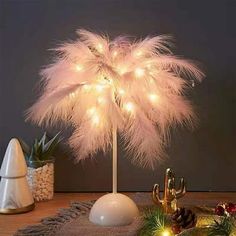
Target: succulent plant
[41, 150]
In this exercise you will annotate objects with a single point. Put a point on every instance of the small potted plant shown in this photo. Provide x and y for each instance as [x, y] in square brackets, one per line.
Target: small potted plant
[40, 162]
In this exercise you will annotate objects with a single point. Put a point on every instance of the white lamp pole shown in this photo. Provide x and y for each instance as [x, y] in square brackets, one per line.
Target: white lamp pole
[114, 159]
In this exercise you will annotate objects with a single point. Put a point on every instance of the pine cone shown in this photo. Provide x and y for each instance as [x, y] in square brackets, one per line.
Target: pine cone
[184, 218]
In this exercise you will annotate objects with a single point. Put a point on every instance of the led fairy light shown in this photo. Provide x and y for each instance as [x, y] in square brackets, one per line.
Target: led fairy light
[99, 87]
[91, 111]
[72, 95]
[114, 54]
[153, 97]
[121, 91]
[94, 116]
[139, 72]
[86, 87]
[96, 119]
[101, 100]
[166, 232]
[78, 67]
[138, 54]
[100, 47]
[129, 106]
[117, 78]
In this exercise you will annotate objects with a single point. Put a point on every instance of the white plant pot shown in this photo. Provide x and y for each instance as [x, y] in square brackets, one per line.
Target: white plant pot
[113, 209]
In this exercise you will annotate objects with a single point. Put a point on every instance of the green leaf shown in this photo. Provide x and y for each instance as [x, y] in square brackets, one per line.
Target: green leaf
[25, 147]
[42, 150]
[35, 145]
[33, 156]
[223, 227]
[43, 139]
[49, 147]
[53, 142]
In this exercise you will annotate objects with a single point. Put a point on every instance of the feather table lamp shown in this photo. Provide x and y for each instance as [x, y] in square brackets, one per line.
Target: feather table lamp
[102, 87]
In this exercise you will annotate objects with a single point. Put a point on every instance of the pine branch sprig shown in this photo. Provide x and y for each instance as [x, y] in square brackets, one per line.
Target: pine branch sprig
[155, 222]
[224, 227]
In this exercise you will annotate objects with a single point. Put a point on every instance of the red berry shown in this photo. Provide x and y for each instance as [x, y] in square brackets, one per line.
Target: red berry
[219, 210]
[230, 207]
[176, 229]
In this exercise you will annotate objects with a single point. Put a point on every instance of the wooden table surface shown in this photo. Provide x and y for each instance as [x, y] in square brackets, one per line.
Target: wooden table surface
[10, 223]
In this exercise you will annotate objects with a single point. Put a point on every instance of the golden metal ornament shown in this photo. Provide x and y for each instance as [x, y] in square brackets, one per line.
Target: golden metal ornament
[171, 195]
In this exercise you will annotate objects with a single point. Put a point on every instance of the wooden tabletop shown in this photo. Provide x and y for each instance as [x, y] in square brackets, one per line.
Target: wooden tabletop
[10, 223]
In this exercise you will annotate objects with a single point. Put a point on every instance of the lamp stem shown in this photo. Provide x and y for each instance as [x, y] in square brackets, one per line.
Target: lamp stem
[114, 159]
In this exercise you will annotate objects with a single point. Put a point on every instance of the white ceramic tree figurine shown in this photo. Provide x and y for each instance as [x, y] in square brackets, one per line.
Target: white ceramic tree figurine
[102, 87]
[15, 195]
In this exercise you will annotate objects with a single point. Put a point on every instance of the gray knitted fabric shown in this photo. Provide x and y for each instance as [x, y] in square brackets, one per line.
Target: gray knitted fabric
[74, 221]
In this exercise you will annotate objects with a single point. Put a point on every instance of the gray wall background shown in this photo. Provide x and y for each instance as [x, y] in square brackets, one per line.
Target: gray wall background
[204, 31]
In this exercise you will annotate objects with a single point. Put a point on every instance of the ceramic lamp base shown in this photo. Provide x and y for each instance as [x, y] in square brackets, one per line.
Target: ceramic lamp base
[113, 209]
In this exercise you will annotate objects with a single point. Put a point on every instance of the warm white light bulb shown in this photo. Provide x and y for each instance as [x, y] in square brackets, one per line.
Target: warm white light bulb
[99, 87]
[121, 70]
[121, 91]
[139, 72]
[91, 111]
[101, 100]
[115, 53]
[129, 106]
[138, 53]
[94, 116]
[100, 47]
[95, 119]
[166, 232]
[153, 97]
[78, 67]
[72, 95]
[86, 87]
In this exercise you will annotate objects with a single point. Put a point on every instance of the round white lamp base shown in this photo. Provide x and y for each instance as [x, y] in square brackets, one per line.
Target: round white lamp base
[113, 209]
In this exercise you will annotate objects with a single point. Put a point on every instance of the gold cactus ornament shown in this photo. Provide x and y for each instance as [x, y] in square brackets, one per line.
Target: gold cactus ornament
[169, 201]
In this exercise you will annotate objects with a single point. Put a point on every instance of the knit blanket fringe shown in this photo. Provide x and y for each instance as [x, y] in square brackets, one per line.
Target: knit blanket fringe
[49, 225]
